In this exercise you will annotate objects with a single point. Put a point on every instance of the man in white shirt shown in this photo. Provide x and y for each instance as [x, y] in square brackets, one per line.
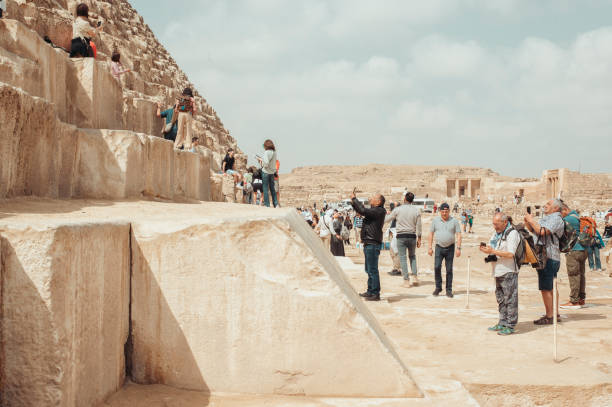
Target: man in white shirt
[501, 251]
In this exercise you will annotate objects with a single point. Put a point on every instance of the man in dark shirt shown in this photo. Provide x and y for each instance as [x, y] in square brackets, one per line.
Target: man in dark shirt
[167, 114]
[371, 236]
[227, 166]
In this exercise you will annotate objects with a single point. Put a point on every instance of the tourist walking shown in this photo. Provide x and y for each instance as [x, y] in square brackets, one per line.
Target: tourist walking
[325, 228]
[408, 229]
[575, 262]
[548, 231]
[337, 245]
[371, 236]
[248, 186]
[447, 233]
[186, 109]
[593, 253]
[501, 252]
[257, 186]
[348, 225]
[357, 225]
[391, 235]
[268, 168]
[82, 33]
[171, 126]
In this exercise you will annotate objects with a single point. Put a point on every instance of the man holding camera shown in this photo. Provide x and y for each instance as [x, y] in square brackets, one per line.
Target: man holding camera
[548, 231]
[371, 236]
[445, 230]
[504, 243]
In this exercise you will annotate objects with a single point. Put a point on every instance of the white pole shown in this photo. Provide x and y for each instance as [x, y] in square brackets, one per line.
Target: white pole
[555, 319]
[467, 296]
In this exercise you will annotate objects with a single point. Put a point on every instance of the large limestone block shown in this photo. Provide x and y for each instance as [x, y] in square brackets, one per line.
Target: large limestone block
[64, 309]
[252, 304]
[139, 116]
[110, 164]
[31, 64]
[37, 152]
[159, 168]
[95, 96]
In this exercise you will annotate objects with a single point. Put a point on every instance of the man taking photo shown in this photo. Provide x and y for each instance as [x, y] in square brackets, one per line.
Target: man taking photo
[371, 236]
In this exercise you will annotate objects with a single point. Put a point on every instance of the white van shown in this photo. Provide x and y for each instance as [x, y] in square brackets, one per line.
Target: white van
[424, 203]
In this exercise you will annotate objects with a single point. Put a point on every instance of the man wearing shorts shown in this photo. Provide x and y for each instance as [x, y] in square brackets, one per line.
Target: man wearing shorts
[548, 230]
[228, 166]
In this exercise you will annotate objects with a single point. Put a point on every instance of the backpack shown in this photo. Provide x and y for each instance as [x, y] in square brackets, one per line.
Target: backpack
[185, 105]
[523, 254]
[586, 236]
[345, 233]
[568, 239]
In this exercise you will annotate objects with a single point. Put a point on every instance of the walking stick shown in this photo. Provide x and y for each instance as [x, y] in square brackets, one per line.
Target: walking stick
[467, 304]
[555, 319]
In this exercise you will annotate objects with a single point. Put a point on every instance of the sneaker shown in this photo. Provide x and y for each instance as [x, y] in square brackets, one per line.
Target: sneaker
[365, 294]
[415, 280]
[570, 305]
[496, 327]
[506, 331]
[581, 303]
[406, 284]
[373, 297]
[449, 294]
[436, 292]
[395, 273]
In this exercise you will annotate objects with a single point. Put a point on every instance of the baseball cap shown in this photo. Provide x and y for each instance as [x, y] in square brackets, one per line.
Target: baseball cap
[444, 206]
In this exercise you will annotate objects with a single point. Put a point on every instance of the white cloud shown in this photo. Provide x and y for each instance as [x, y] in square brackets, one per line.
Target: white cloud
[350, 81]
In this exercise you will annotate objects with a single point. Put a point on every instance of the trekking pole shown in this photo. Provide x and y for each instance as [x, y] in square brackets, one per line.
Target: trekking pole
[467, 296]
[555, 319]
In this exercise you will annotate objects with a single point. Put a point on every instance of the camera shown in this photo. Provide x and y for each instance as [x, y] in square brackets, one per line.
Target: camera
[490, 258]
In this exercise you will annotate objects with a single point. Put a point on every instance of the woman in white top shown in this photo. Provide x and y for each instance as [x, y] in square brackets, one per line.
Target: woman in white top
[116, 68]
[268, 168]
[82, 33]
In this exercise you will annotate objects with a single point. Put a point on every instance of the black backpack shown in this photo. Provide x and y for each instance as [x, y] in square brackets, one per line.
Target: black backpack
[519, 254]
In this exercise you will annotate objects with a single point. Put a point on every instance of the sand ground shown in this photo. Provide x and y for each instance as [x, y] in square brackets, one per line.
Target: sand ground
[450, 352]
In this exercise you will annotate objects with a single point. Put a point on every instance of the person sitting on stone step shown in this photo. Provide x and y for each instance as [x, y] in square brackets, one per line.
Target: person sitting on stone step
[82, 33]
[195, 142]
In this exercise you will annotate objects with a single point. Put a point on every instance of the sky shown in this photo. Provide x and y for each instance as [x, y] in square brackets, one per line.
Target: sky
[518, 86]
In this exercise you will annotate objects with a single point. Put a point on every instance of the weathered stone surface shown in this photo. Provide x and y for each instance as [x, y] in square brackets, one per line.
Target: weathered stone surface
[281, 319]
[64, 308]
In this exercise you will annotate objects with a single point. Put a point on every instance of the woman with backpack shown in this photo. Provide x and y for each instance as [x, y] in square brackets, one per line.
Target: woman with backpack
[186, 109]
[257, 186]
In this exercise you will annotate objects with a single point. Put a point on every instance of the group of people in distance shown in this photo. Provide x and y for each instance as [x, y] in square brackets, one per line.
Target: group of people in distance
[444, 244]
[259, 185]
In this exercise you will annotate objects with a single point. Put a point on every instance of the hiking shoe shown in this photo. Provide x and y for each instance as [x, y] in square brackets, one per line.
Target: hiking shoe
[415, 280]
[506, 331]
[395, 273]
[449, 294]
[570, 305]
[581, 303]
[543, 321]
[436, 292]
[365, 294]
[496, 328]
[373, 297]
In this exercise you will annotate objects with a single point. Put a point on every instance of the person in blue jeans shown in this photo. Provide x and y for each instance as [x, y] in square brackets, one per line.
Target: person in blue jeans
[447, 232]
[593, 253]
[268, 169]
[372, 237]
